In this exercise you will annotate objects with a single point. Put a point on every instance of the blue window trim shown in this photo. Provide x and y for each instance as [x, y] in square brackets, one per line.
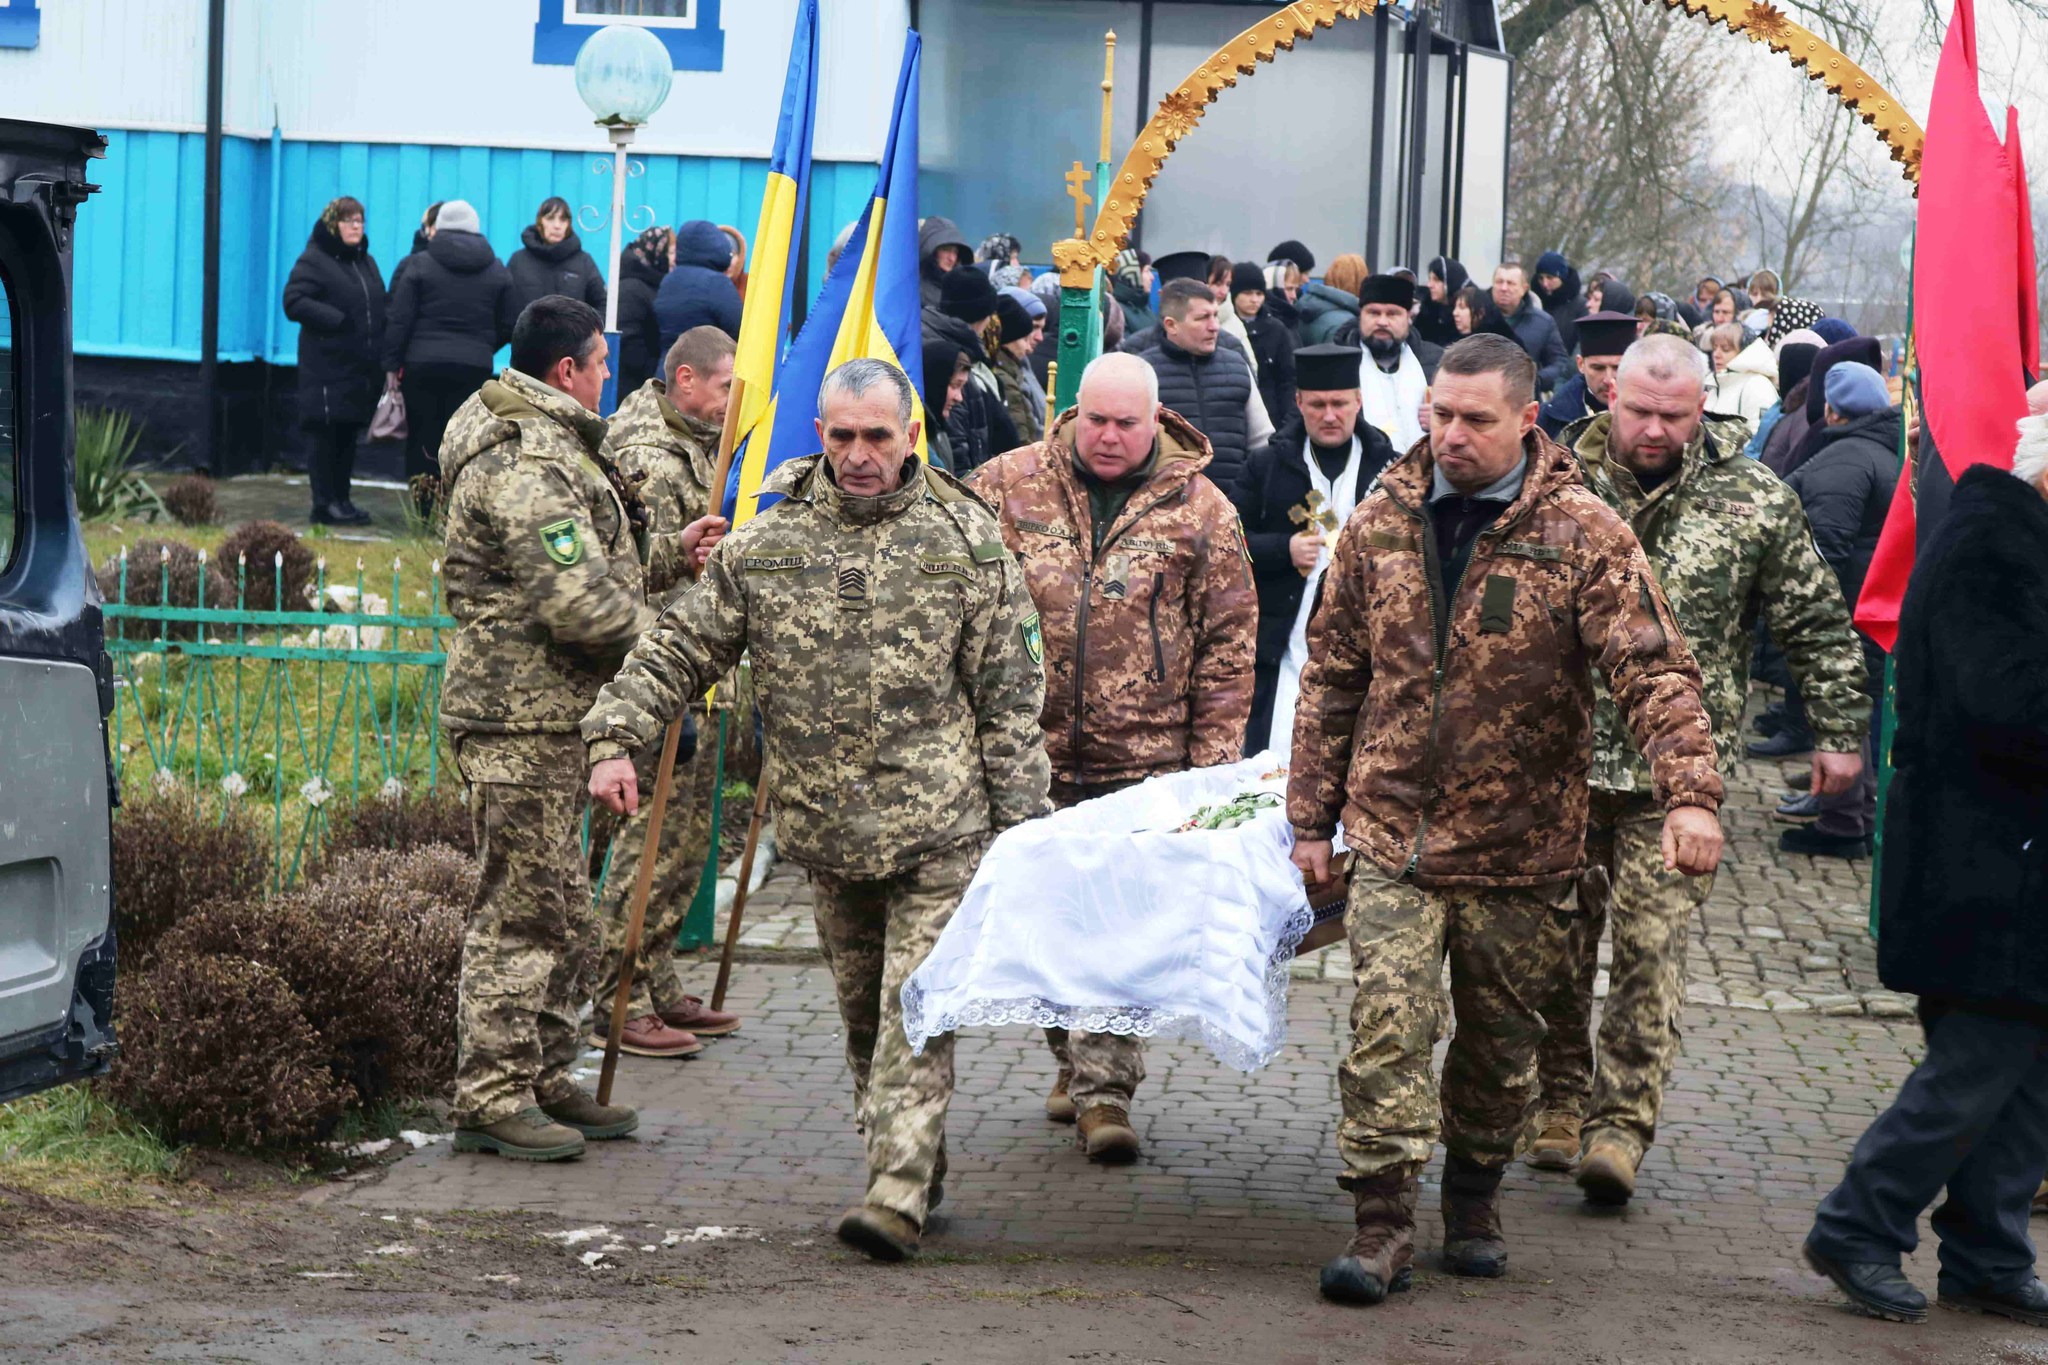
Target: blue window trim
[21, 23]
[556, 40]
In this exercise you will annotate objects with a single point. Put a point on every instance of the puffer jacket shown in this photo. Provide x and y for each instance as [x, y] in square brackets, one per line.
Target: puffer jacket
[541, 267]
[1466, 765]
[1846, 487]
[1538, 335]
[452, 306]
[336, 296]
[1148, 640]
[543, 571]
[697, 293]
[640, 351]
[1747, 387]
[1324, 310]
[1212, 391]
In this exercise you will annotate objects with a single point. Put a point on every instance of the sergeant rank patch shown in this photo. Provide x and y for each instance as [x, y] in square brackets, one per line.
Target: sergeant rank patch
[562, 542]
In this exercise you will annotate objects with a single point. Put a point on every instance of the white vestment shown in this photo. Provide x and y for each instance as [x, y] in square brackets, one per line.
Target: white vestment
[1393, 402]
[1341, 497]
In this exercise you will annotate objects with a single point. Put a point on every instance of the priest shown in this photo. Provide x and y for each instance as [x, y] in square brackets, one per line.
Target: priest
[1398, 367]
[1296, 492]
[1602, 339]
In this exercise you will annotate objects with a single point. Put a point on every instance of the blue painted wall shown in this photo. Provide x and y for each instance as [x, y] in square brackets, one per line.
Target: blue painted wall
[137, 274]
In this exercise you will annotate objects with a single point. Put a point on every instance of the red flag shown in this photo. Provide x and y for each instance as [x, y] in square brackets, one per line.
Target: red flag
[1974, 321]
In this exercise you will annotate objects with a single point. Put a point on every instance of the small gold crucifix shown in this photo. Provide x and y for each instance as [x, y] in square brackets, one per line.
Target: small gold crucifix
[1077, 187]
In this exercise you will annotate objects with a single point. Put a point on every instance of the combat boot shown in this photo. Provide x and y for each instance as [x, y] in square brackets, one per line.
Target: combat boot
[1557, 1146]
[1105, 1133]
[1472, 1239]
[1059, 1105]
[936, 1194]
[1375, 1262]
[528, 1135]
[882, 1234]
[1608, 1174]
[595, 1121]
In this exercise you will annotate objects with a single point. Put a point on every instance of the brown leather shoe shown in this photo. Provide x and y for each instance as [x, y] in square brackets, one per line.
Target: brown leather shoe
[1473, 1244]
[1059, 1105]
[699, 1018]
[1376, 1261]
[1608, 1174]
[883, 1234]
[647, 1036]
[1556, 1148]
[1105, 1133]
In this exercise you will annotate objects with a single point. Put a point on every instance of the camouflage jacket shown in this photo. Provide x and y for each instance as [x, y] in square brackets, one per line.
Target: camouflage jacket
[1728, 542]
[542, 571]
[677, 457]
[1467, 767]
[895, 655]
[1010, 375]
[1148, 642]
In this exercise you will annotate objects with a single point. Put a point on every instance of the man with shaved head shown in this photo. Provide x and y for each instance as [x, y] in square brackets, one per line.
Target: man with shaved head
[1137, 565]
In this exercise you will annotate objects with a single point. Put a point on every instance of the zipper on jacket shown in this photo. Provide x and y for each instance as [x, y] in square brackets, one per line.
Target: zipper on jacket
[1081, 618]
[1158, 651]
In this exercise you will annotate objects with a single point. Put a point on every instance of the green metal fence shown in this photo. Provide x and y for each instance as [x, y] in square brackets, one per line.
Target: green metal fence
[291, 708]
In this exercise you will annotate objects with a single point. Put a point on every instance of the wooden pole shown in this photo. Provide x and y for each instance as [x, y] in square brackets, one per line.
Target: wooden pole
[739, 895]
[636, 921]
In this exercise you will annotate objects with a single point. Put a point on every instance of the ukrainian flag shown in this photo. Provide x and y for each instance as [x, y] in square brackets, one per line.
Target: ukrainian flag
[771, 279]
[869, 308]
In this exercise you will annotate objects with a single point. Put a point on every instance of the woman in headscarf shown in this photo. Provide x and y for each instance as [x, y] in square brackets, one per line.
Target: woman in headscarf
[1434, 323]
[1790, 316]
[641, 268]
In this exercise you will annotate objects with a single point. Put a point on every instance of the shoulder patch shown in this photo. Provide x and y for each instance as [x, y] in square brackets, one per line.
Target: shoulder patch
[1034, 639]
[988, 552]
[562, 541]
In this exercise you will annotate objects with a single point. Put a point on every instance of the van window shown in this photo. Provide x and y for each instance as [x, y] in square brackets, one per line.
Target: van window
[9, 420]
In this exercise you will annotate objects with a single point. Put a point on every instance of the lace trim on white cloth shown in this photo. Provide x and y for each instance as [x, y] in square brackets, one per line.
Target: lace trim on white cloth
[1131, 1021]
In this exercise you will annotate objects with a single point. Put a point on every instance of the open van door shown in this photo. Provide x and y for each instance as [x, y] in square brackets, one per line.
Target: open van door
[56, 683]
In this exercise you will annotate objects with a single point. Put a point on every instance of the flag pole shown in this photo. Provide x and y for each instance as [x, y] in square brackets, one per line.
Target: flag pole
[636, 921]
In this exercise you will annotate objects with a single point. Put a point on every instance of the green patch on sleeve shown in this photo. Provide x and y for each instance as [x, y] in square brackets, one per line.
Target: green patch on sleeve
[1034, 639]
[562, 541]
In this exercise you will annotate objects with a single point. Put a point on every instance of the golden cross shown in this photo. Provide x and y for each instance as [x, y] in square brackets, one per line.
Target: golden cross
[1077, 187]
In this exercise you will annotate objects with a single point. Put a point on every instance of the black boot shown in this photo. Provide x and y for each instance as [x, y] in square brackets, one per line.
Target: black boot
[1375, 1262]
[1812, 842]
[1874, 1287]
[1472, 1238]
[2028, 1303]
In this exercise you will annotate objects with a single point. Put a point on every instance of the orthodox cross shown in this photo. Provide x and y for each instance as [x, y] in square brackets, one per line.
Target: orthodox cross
[1077, 183]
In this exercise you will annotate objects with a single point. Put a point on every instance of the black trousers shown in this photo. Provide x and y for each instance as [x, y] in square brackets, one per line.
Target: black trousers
[1973, 1117]
[432, 394]
[331, 460]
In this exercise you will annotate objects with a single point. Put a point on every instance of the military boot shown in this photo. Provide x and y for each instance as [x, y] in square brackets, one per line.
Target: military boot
[1608, 1174]
[1105, 1133]
[528, 1135]
[1059, 1105]
[1375, 1262]
[936, 1195]
[1557, 1146]
[883, 1234]
[1472, 1239]
[595, 1121]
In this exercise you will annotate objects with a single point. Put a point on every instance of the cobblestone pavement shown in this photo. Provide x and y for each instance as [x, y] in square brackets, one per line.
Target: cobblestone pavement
[1781, 932]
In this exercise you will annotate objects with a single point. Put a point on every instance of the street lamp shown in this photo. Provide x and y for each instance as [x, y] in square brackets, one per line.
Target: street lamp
[623, 73]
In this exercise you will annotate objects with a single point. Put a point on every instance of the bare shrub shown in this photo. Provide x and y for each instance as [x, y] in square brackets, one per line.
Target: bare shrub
[171, 857]
[263, 542]
[190, 500]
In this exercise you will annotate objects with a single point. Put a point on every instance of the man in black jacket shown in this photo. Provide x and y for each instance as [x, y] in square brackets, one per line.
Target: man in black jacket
[1846, 488]
[1963, 917]
[1204, 381]
[1296, 493]
[1272, 344]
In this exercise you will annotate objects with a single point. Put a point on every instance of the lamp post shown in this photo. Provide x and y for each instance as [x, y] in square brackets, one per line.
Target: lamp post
[623, 74]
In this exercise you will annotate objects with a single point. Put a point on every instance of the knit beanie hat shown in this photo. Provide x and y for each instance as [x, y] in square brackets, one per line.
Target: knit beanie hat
[965, 293]
[457, 215]
[1291, 250]
[1856, 390]
[1795, 362]
[1832, 330]
[1034, 306]
[1016, 322]
[1245, 277]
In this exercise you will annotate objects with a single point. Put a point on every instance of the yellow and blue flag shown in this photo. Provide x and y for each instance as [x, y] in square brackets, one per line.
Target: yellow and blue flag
[771, 278]
[869, 307]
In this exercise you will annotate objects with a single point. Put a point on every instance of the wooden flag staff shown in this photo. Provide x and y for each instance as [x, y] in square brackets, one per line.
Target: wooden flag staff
[664, 785]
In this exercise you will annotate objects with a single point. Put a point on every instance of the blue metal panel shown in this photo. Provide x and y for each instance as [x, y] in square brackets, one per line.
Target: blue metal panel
[138, 278]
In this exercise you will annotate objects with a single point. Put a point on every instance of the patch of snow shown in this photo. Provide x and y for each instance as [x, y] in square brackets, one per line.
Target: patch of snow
[597, 1260]
[498, 1279]
[393, 1249]
[678, 1237]
[327, 1275]
[416, 1139]
[367, 1148]
[577, 1236]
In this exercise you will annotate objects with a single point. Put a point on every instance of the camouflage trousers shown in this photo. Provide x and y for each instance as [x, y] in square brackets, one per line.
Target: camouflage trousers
[531, 936]
[1106, 1067]
[1503, 945]
[678, 866]
[1625, 884]
[873, 934]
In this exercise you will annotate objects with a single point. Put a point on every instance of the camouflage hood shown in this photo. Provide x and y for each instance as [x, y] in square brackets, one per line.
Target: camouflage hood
[509, 399]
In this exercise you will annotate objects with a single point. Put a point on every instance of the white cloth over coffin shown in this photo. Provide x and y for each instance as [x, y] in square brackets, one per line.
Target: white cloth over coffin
[1100, 917]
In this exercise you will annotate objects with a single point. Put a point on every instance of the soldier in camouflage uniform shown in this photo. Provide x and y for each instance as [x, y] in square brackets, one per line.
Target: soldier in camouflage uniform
[1728, 543]
[1446, 715]
[544, 580]
[1137, 567]
[666, 434]
[897, 658]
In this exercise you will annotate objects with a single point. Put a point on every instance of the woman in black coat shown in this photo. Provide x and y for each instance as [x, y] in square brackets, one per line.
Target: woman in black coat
[453, 308]
[551, 260]
[336, 295]
[641, 269]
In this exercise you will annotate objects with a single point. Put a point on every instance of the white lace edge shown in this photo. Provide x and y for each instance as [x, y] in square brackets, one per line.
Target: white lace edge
[1128, 1020]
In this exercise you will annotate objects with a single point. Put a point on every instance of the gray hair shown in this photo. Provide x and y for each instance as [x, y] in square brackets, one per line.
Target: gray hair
[2030, 456]
[1117, 364]
[855, 377]
[1662, 356]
